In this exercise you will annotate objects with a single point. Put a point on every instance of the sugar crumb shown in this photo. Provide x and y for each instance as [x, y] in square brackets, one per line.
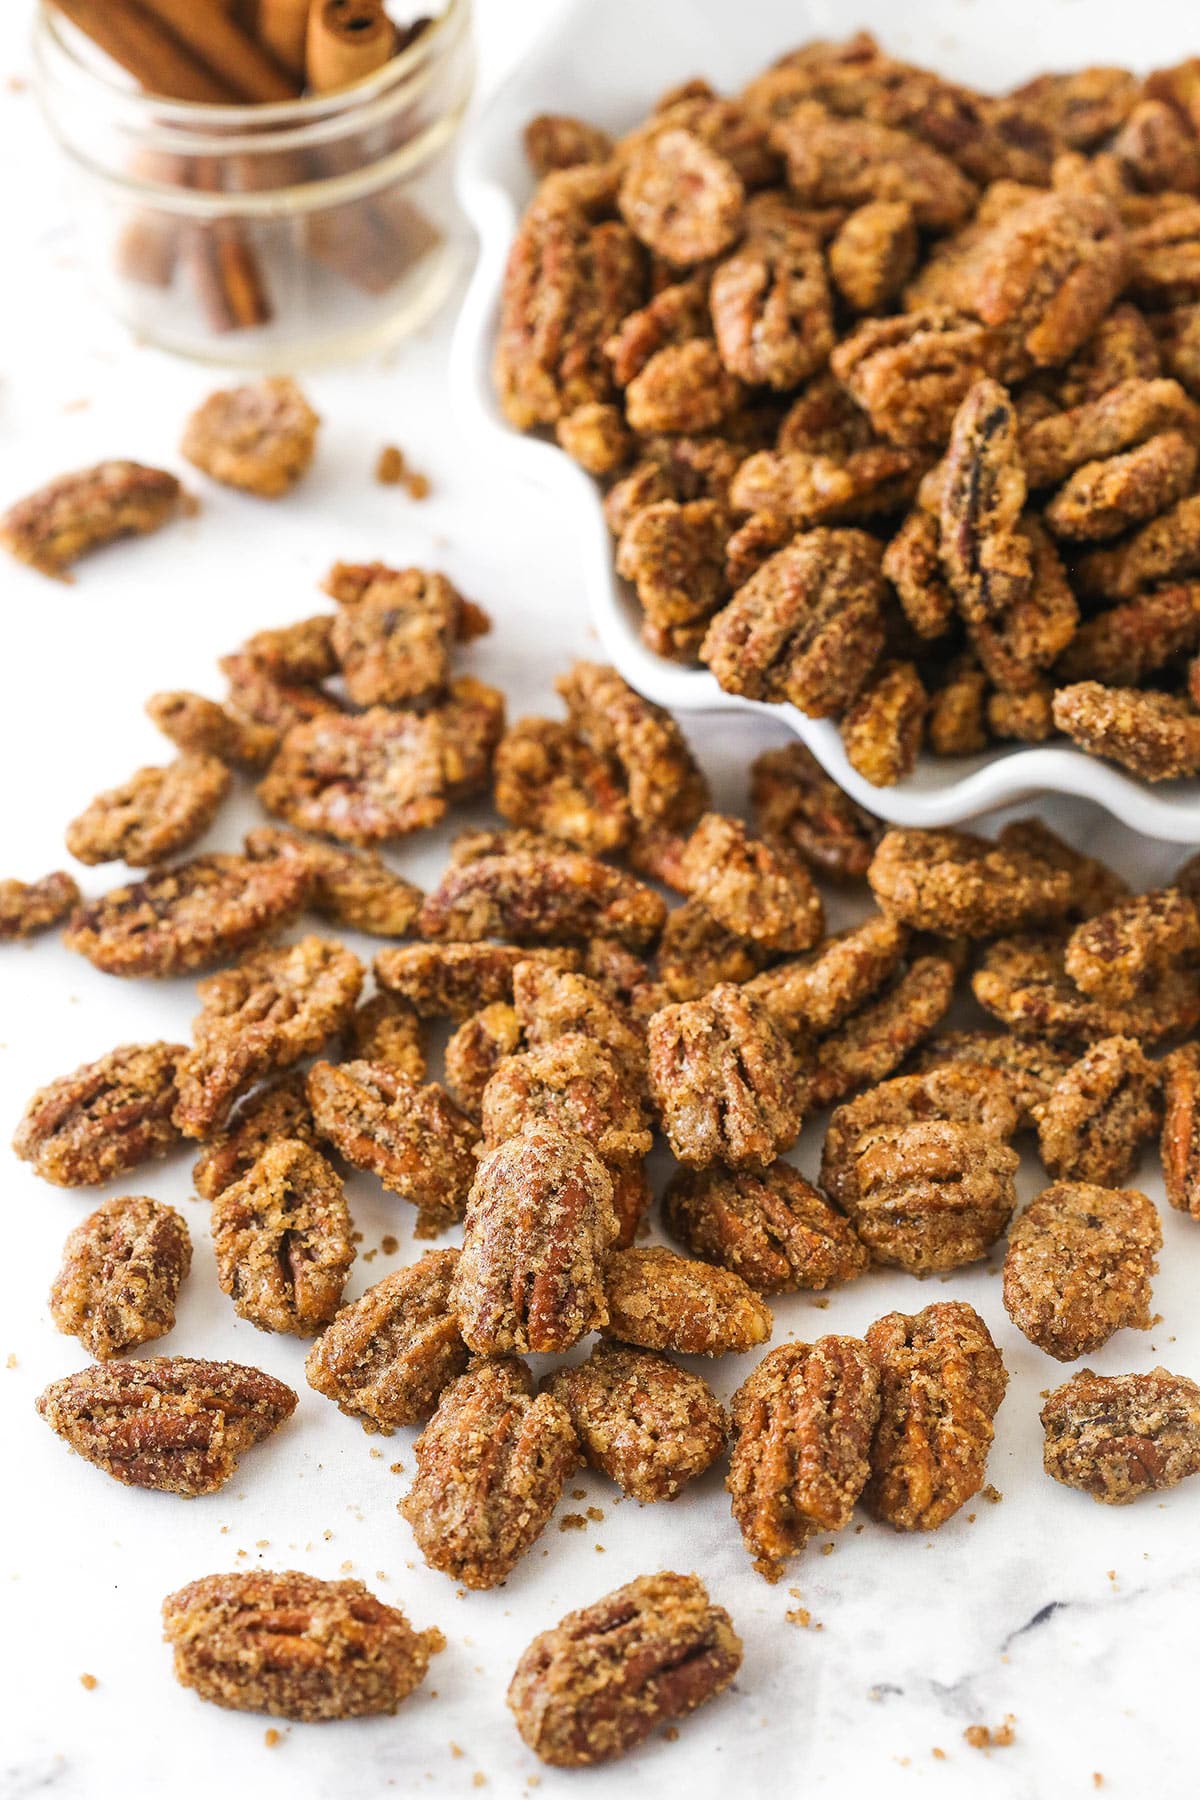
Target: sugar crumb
[89, 1682]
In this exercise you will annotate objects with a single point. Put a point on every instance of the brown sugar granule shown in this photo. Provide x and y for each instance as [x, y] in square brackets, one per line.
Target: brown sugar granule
[294, 1646]
[153, 816]
[281, 1238]
[75, 513]
[603, 1679]
[104, 1118]
[387, 1357]
[121, 1272]
[648, 1424]
[1079, 1264]
[260, 437]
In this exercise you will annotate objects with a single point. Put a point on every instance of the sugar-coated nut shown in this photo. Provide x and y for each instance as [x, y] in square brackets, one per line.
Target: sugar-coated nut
[1078, 1266]
[1119, 1436]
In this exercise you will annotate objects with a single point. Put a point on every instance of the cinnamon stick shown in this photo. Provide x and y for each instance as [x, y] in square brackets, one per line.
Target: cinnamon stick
[228, 279]
[347, 41]
[235, 58]
[138, 43]
[281, 26]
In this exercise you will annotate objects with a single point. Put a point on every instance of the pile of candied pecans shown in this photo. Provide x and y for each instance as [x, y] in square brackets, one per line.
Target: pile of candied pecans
[892, 389]
[587, 1014]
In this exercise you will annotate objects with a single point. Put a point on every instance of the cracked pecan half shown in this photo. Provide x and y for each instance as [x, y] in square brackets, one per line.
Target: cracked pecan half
[1116, 1437]
[773, 1229]
[665, 784]
[555, 1003]
[538, 1228]
[153, 816]
[281, 1238]
[105, 1117]
[535, 897]
[1126, 643]
[475, 1051]
[278, 1109]
[1078, 1267]
[1115, 953]
[387, 1357]
[260, 437]
[986, 558]
[802, 1429]
[876, 1038]
[819, 991]
[873, 254]
[648, 1424]
[884, 729]
[772, 313]
[491, 1464]
[681, 198]
[660, 1301]
[756, 890]
[203, 727]
[75, 513]
[453, 981]
[725, 1080]
[294, 1646]
[168, 1422]
[911, 373]
[395, 631]
[962, 885]
[121, 1272]
[942, 1381]
[833, 161]
[27, 907]
[1029, 1065]
[387, 1029]
[548, 779]
[795, 802]
[1023, 981]
[603, 1679]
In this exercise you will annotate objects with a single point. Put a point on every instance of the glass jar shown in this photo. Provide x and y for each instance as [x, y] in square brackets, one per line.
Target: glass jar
[274, 235]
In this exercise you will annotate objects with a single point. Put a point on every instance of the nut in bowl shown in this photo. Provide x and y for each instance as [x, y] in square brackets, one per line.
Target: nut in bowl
[903, 458]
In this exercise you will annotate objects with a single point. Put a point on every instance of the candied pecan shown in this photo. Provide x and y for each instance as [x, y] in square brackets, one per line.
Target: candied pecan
[279, 1110]
[1078, 1267]
[265, 1014]
[153, 815]
[1124, 644]
[260, 437]
[666, 787]
[1017, 645]
[1094, 886]
[773, 1229]
[874, 254]
[847, 162]
[554, 1003]
[680, 198]
[675, 315]
[1099, 1113]
[475, 1051]
[1082, 108]
[596, 437]
[559, 141]
[911, 373]
[1178, 87]
[202, 727]
[412, 1137]
[724, 1079]
[806, 628]
[294, 1646]
[1023, 981]
[820, 990]
[491, 1464]
[1050, 270]
[1102, 499]
[773, 314]
[986, 559]
[105, 1117]
[1122, 348]
[806, 490]
[1168, 547]
[882, 731]
[394, 632]
[795, 802]
[387, 1029]
[534, 898]
[349, 887]
[604, 1678]
[802, 1429]
[1153, 735]
[825, 420]
[383, 773]
[167, 1422]
[1180, 1144]
[388, 1356]
[660, 1301]
[1117, 420]
[957, 883]
[912, 563]
[455, 980]
[281, 1238]
[942, 1380]
[1164, 254]
[1118, 1436]
[1028, 717]
[187, 917]
[757, 891]
[53, 527]
[268, 700]
[572, 1084]
[726, 126]
[301, 652]
[538, 1227]
[1177, 336]
[696, 952]
[27, 907]
[875, 1040]
[1114, 953]
[749, 547]
[648, 1424]
[958, 711]
[121, 1272]
[682, 388]
[1030, 1066]
[675, 557]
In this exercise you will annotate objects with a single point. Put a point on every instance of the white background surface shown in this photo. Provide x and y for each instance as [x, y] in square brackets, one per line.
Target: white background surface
[920, 1637]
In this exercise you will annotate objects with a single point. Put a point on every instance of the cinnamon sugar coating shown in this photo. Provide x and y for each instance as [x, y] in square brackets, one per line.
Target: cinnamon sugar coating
[957, 883]
[201, 727]
[912, 372]
[833, 161]
[572, 1083]
[534, 897]
[802, 1429]
[151, 817]
[684, 388]
[1094, 886]
[260, 437]
[773, 313]
[301, 652]
[1078, 1268]
[941, 1383]
[349, 887]
[491, 1465]
[121, 1272]
[559, 141]
[1103, 499]
[1117, 1437]
[1050, 270]
[1153, 735]
[681, 199]
[756, 890]
[876, 1038]
[1123, 644]
[277, 1110]
[257, 691]
[665, 785]
[1180, 1143]
[774, 1229]
[29, 907]
[552, 1003]
[53, 527]
[388, 1356]
[538, 1227]
[548, 779]
[660, 1301]
[1023, 981]
[696, 952]
[675, 556]
[395, 631]
[1030, 1066]
[1100, 1112]
[883, 730]
[169, 1423]
[648, 1424]
[820, 990]
[411, 1136]
[281, 1238]
[294, 1646]
[105, 1117]
[873, 254]
[724, 1080]
[1116, 953]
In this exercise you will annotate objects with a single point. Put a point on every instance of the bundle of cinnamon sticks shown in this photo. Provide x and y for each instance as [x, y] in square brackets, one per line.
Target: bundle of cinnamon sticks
[249, 52]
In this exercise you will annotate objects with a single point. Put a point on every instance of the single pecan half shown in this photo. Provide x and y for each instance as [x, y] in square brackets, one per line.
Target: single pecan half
[648, 1424]
[661, 1301]
[121, 1272]
[1119, 1436]
[387, 1357]
[281, 1238]
[1078, 1268]
[106, 1117]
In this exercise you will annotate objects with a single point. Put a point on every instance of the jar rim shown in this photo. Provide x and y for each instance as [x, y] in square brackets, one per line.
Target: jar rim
[283, 115]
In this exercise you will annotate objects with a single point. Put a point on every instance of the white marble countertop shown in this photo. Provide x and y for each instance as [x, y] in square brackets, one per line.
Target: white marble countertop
[1075, 1619]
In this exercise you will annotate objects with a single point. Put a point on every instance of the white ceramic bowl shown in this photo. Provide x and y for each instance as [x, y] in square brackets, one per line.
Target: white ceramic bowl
[607, 60]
